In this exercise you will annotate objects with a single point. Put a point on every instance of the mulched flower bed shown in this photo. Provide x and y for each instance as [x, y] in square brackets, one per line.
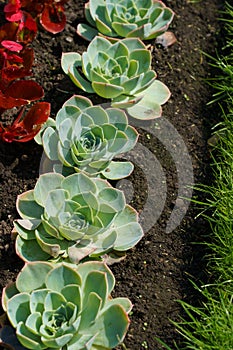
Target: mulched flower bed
[156, 273]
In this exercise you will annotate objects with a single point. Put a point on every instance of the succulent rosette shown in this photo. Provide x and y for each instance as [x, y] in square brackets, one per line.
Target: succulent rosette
[65, 307]
[144, 19]
[86, 138]
[69, 218]
[119, 71]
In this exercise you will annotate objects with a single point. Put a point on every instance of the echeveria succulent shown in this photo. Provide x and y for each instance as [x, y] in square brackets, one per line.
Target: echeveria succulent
[119, 71]
[65, 307]
[144, 19]
[86, 138]
[69, 218]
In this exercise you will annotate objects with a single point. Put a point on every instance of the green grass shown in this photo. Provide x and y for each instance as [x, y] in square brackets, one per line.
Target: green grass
[223, 83]
[193, 1]
[210, 326]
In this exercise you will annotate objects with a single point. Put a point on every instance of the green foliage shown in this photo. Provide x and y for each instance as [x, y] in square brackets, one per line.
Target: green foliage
[69, 218]
[66, 307]
[222, 82]
[144, 19]
[209, 325]
[86, 138]
[119, 71]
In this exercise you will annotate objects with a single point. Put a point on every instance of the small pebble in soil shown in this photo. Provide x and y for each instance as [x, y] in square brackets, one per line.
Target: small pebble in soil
[24, 157]
[69, 39]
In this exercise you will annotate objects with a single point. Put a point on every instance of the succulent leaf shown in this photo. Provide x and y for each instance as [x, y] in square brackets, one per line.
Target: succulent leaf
[62, 276]
[69, 307]
[116, 170]
[30, 250]
[51, 151]
[86, 31]
[32, 277]
[87, 139]
[143, 19]
[79, 217]
[27, 207]
[147, 107]
[27, 338]
[18, 308]
[78, 79]
[68, 59]
[119, 71]
[44, 185]
[78, 101]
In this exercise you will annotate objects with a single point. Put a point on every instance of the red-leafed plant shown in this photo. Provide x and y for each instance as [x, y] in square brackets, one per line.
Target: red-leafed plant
[25, 127]
[24, 30]
[49, 12]
[15, 63]
[16, 60]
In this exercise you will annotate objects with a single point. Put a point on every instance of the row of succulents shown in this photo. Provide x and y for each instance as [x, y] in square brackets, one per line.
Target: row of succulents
[74, 221]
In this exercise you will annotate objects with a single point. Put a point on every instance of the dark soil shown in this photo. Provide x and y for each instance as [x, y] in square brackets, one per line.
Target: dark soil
[156, 273]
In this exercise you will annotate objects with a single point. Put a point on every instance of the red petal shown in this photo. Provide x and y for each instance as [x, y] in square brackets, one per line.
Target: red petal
[26, 89]
[13, 72]
[11, 8]
[20, 93]
[15, 58]
[14, 17]
[30, 23]
[11, 45]
[6, 136]
[53, 19]
[28, 57]
[13, 12]
[37, 115]
[13, 5]
[17, 66]
[29, 126]
[8, 31]
[27, 29]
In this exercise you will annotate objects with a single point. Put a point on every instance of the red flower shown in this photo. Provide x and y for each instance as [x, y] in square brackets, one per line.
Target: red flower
[50, 13]
[16, 63]
[12, 45]
[53, 18]
[13, 11]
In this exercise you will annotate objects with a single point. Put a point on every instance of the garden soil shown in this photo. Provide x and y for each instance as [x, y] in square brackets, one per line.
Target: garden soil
[157, 272]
